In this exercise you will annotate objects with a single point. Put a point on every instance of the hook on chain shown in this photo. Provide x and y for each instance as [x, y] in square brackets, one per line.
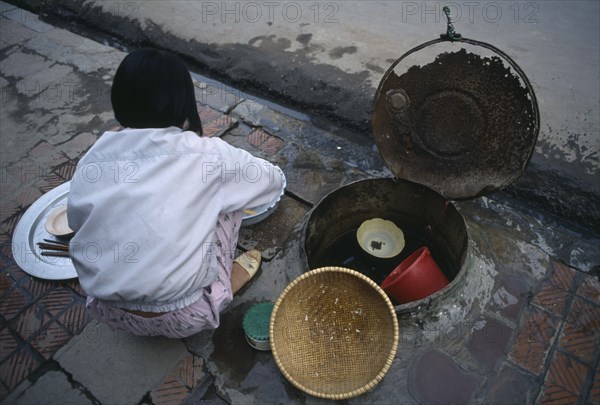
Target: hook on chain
[450, 34]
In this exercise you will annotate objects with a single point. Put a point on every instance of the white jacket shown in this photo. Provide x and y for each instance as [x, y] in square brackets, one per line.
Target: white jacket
[144, 205]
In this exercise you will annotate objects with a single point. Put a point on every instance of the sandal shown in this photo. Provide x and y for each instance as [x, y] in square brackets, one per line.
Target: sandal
[250, 261]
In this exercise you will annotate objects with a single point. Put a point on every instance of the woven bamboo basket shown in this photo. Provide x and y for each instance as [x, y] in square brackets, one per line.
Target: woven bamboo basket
[333, 333]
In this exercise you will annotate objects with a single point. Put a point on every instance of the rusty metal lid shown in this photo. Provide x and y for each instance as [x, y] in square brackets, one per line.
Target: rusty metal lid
[456, 115]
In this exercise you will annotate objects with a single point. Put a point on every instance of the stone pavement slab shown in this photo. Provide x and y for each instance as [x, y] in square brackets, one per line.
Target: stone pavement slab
[270, 235]
[135, 365]
[436, 378]
[511, 386]
[489, 340]
[24, 18]
[52, 388]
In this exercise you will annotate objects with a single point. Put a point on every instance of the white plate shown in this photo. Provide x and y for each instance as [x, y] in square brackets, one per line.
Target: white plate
[31, 229]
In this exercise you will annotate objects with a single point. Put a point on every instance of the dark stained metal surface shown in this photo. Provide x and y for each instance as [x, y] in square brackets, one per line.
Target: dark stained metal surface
[459, 117]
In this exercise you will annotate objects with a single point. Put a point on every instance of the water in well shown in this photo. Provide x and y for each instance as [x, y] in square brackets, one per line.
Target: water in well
[346, 252]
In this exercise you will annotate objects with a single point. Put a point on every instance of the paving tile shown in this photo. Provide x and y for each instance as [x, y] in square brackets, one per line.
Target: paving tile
[534, 338]
[130, 366]
[4, 263]
[77, 146]
[12, 33]
[211, 397]
[14, 271]
[208, 114]
[311, 176]
[3, 388]
[270, 235]
[179, 383]
[51, 182]
[216, 96]
[50, 339]
[564, 381]
[594, 394]
[36, 287]
[258, 137]
[581, 332]
[272, 145]
[214, 123]
[266, 142]
[13, 302]
[259, 115]
[28, 19]
[10, 212]
[189, 371]
[435, 378]
[8, 343]
[253, 113]
[47, 155]
[488, 341]
[56, 300]
[10, 222]
[31, 322]
[218, 127]
[27, 196]
[66, 170]
[5, 245]
[75, 286]
[510, 296]
[172, 391]
[53, 387]
[75, 317]
[29, 171]
[11, 179]
[17, 367]
[585, 313]
[589, 287]
[511, 387]
[555, 290]
[8, 208]
[5, 283]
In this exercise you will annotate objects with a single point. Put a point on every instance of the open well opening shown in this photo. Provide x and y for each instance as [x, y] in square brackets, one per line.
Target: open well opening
[425, 217]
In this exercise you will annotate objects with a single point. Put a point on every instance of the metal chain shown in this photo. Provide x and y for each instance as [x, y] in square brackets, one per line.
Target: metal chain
[450, 34]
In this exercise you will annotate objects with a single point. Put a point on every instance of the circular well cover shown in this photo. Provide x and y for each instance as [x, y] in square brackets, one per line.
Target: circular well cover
[460, 117]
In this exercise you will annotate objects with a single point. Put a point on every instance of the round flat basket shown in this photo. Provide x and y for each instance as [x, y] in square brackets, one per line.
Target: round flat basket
[334, 333]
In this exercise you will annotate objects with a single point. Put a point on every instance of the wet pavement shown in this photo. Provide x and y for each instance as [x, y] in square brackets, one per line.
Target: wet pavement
[523, 326]
[328, 57]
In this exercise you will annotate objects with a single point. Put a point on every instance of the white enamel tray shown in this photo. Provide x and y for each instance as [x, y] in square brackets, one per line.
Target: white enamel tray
[31, 229]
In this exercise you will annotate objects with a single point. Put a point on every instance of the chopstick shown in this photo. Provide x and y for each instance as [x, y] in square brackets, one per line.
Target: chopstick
[57, 242]
[56, 254]
[53, 247]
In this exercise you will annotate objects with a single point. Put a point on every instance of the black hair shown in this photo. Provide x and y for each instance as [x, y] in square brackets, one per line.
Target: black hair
[154, 89]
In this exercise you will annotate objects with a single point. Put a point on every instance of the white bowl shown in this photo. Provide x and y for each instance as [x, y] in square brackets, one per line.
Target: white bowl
[57, 223]
[380, 238]
[257, 214]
